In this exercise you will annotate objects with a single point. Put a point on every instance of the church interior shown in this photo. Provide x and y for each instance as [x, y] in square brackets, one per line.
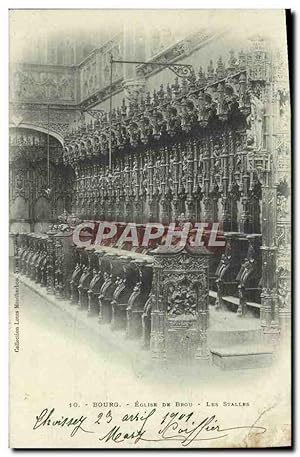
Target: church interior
[156, 121]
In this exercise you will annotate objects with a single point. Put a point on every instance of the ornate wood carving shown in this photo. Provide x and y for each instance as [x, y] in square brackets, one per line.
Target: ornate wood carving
[180, 304]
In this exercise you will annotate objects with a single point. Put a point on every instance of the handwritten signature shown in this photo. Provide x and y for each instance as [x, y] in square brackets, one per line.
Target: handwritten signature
[184, 428]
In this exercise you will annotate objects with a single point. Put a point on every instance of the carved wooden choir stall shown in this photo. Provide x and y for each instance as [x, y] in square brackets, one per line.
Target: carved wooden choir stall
[210, 147]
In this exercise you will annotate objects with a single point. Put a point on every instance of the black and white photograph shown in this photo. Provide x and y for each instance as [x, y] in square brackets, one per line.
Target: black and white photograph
[150, 231]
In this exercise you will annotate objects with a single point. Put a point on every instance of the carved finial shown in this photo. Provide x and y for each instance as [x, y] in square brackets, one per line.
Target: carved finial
[113, 114]
[201, 77]
[176, 87]
[220, 71]
[124, 107]
[161, 94]
[105, 118]
[210, 72]
[148, 100]
[142, 104]
[242, 60]
[232, 61]
[169, 93]
[154, 98]
[131, 109]
[184, 87]
[192, 78]
[118, 114]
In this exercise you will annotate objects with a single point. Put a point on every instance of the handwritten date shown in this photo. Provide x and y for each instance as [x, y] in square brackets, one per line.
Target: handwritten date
[150, 426]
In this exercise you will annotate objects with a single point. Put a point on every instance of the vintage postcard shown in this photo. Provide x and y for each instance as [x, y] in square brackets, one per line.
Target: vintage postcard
[150, 229]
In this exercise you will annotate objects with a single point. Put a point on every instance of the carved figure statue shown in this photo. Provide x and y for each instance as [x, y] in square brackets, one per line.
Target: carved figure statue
[257, 117]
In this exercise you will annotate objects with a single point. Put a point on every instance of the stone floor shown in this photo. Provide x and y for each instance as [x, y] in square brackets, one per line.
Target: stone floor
[70, 323]
[226, 320]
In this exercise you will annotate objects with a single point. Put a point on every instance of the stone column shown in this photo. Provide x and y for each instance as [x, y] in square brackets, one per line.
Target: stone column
[265, 166]
[282, 161]
[51, 265]
[158, 318]
[262, 160]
